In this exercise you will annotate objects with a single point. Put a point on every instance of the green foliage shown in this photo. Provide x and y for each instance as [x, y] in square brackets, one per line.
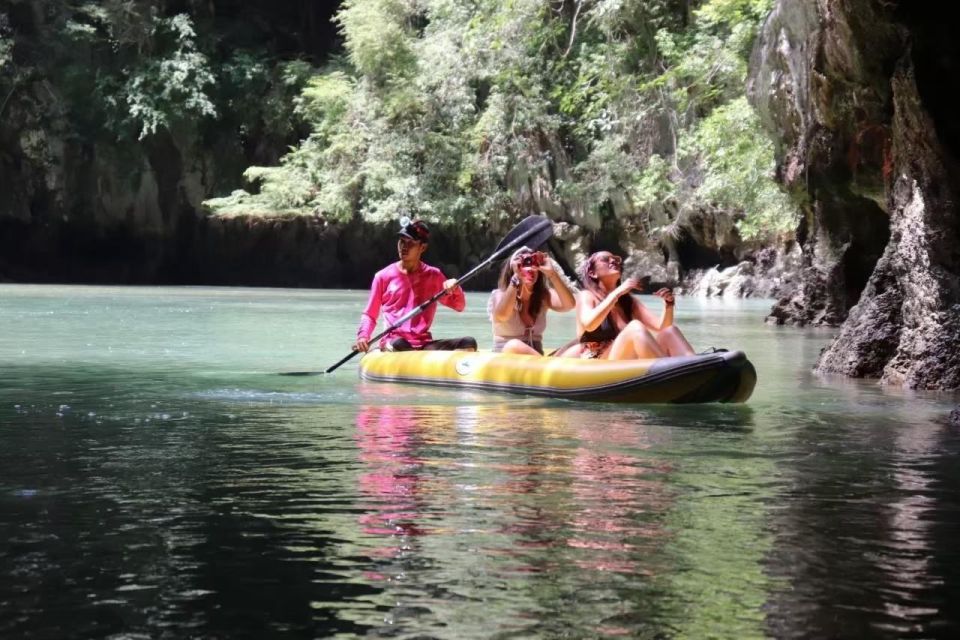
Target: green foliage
[707, 65]
[724, 14]
[379, 33]
[486, 108]
[653, 185]
[6, 44]
[154, 74]
[6, 52]
[739, 169]
[260, 94]
[127, 69]
[170, 86]
[325, 101]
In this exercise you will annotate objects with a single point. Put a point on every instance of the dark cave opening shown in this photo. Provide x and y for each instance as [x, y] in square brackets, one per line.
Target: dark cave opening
[693, 255]
[935, 51]
[867, 244]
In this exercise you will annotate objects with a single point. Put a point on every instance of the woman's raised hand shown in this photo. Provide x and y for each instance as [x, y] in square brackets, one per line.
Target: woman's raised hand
[666, 294]
[628, 285]
[546, 264]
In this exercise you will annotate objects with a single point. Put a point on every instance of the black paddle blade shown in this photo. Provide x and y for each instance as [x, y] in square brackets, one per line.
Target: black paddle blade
[302, 373]
[532, 231]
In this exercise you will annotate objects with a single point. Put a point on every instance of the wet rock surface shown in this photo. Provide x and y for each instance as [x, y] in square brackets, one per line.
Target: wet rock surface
[906, 329]
[766, 273]
[299, 251]
[954, 418]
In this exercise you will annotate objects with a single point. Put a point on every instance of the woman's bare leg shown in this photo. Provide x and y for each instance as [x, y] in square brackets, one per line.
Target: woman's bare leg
[574, 351]
[674, 343]
[519, 346]
[633, 343]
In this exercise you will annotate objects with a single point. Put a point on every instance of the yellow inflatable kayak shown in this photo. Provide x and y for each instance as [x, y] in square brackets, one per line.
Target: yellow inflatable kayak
[724, 376]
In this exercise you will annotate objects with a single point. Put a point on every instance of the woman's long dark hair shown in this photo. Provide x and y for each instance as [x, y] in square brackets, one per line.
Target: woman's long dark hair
[540, 291]
[589, 282]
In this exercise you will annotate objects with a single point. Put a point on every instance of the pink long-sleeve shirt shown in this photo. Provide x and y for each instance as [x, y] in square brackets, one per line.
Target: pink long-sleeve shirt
[397, 293]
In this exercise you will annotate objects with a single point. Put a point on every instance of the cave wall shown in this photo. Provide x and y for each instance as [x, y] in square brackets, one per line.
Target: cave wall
[857, 92]
[906, 330]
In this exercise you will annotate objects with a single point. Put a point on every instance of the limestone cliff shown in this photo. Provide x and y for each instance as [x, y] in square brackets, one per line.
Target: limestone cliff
[855, 90]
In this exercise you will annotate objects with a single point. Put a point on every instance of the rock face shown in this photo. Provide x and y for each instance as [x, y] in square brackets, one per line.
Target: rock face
[820, 81]
[856, 90]
[906, 329]
[298, 251]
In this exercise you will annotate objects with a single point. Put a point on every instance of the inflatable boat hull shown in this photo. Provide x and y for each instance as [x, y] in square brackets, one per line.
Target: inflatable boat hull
[725, 376]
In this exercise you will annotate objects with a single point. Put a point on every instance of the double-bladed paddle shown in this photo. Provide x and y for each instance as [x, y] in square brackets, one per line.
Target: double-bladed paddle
[532, 231]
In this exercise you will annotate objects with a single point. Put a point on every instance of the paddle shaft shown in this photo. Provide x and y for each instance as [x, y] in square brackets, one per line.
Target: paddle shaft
[423, 305]
[420, 308]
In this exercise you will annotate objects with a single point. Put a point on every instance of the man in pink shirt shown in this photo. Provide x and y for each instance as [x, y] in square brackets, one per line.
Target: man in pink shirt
[402, 286]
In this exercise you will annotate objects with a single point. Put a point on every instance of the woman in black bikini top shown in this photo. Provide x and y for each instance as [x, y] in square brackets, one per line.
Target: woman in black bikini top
[630, 332]
[608, 330]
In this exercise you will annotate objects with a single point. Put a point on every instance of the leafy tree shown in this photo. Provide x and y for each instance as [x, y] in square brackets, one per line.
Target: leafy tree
[173, 84]
[129, 69]
[738, 168]
[6, 63]
[6, 52]
[484, 108]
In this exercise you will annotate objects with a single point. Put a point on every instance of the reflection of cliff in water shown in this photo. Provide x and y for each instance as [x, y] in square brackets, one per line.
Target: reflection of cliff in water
[869, 510]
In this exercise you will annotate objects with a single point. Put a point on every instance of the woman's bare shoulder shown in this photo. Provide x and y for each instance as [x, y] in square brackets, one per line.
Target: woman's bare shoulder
[587, 297]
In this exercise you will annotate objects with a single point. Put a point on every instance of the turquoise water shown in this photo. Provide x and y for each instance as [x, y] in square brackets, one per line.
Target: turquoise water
[158, 478]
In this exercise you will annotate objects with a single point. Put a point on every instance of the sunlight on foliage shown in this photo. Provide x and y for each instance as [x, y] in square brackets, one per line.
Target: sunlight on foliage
[6, 42]
[378, 34]
[653, 185]
[739, 170]
[489, 109]
[6, 52]
[173, 86]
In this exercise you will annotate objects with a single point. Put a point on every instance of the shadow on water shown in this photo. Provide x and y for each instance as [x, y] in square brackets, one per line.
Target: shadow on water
[156, 515]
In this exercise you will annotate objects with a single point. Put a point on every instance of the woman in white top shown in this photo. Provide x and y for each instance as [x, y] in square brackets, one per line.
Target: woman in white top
[518, 307]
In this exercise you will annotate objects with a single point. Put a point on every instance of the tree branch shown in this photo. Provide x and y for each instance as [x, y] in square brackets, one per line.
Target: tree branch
[573, 28]
[3, 105]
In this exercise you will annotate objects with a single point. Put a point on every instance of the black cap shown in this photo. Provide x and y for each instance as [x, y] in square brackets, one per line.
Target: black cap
[414, 229]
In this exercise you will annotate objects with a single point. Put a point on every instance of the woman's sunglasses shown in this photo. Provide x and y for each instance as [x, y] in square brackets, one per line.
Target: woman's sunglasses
[613, 261]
